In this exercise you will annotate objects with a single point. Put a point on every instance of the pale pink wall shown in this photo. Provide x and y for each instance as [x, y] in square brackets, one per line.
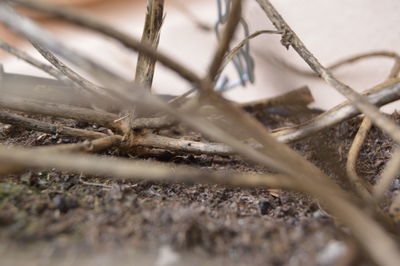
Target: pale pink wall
[331, 29]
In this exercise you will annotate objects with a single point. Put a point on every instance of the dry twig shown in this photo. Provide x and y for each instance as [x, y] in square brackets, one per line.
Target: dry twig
[28, 123]
[340, 63]
[360, 186]
[32, 61]
[84, 20]
[151, 36]
[382, 94]
[68, 72]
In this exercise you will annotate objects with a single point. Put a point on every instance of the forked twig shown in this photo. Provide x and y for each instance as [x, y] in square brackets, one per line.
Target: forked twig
[147, 140]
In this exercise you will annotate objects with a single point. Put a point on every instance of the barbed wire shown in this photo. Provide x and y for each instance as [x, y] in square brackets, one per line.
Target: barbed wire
[242, 61]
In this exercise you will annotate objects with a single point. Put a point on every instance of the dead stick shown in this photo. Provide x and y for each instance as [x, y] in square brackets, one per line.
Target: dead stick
[81, 19]
[86, 146]
[226, 38]
[301, 96]
[33, 124]
[340, 63]
[360, 186]
[34, 62]
[58, 110]
[380, 95]
[68, 72]
[151, 36]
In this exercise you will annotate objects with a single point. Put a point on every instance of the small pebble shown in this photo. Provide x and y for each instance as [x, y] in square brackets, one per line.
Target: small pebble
[396, 184]
[265, 207]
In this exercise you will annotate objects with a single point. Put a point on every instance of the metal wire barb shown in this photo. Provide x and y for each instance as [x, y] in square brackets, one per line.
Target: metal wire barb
[242, 61]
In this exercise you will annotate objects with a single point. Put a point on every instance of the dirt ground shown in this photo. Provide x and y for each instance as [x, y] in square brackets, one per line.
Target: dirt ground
[51, 217]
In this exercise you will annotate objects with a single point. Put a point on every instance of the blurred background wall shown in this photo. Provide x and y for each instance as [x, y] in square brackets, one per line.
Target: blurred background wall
[332, 30]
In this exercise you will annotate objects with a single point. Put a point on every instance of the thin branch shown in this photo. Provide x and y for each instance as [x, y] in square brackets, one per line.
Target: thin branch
[68, 72]
[147, 140]
[380, 95]
[59, 110]
[350, 60]
[131, 169]
[394, 72]
[84, 20]
[301, 96]
[181, 145]
[28, 123]
[151, 36]
[289, 38]
[228, 57]
[34, 62]
[226, 38]
[92, 146]
[87, 146]
[360, 186]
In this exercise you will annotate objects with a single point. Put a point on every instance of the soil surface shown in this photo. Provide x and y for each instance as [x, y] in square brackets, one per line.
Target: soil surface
[47, 217]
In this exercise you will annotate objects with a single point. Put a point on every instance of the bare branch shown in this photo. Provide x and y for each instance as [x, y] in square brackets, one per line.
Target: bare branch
[226, 38]
[59, 110]
[32, 61]
[68, 72]
[82, 19]
[380, 95]
[131, 169]
[33, 124]
[360, 186]
[151, 36]
[240, 45]
[301, 96]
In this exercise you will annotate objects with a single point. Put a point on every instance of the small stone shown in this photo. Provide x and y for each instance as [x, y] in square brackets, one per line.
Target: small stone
[265, 207]
[332, 252]
[396, 184]
[64, 204]
[319, 214]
